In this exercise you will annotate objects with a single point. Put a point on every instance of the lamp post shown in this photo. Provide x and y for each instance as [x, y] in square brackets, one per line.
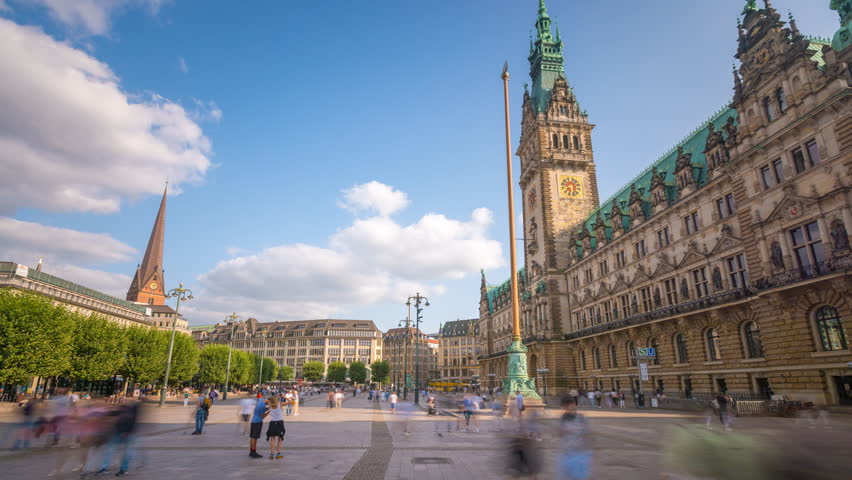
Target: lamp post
[516, 378]
[543, 372]
[418, 300]
[407, 323]
[181, 294]
[232, 318]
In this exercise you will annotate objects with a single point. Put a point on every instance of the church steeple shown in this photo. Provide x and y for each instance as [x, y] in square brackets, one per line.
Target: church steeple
[546, 60]
[147, 286]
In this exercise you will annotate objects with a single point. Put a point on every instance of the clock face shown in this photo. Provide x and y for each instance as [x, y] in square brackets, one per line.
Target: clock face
[570, 186]
[153, 285]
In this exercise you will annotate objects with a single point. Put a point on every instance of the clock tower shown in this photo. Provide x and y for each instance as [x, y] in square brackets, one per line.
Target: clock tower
[557, 162]
[147, 286]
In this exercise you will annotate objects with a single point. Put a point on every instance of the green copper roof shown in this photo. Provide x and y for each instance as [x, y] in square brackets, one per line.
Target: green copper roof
[546, 60]
[501, 294]
[751, 6]
[693, 144]
[204, 328]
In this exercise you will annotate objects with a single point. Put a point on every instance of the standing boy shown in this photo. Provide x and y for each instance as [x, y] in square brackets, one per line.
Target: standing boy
[260, 412]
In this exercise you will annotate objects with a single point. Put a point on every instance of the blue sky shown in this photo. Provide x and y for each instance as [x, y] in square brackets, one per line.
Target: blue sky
[275, 110]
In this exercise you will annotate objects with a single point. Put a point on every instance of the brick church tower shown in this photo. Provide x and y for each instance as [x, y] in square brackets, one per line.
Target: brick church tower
[147, 286]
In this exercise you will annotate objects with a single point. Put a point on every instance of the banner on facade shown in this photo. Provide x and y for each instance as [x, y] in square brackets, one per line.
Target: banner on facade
[22, 271]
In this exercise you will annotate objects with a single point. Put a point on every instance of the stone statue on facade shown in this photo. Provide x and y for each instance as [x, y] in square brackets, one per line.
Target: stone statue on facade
[684, 289]
[717, 278]
[776, 256]
[839, 237]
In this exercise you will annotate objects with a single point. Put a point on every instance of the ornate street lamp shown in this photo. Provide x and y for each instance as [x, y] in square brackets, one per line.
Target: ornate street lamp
[182, 294]
[516, 379]
[418, 300]
[232, 319]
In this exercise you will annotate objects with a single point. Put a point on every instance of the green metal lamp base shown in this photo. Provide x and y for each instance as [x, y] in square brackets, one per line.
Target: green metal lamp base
[518, 380]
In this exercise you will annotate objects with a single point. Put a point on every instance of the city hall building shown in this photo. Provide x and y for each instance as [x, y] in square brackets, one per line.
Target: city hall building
[729, 255]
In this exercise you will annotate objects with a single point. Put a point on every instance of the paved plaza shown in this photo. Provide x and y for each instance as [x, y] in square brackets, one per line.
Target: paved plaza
[363, 440]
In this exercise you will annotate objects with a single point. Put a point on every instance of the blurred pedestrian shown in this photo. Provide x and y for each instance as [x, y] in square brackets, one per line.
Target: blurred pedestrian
[574, 461]
[123, 437]
[393, 399]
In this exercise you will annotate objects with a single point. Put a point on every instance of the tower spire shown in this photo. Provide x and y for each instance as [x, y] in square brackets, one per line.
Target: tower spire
[546, 60]
[147, 286]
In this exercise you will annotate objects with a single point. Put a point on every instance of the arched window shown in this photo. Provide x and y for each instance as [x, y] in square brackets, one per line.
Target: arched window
[653, 344]
[680, 348]
[631, 353]
[712, 345]
[555, 141]
[829, 326]
[754, 347]
[582, 360]
[596, 358]
[613, 359]
[576, 143]
[781, 99]
[767, 109]
[565, 141]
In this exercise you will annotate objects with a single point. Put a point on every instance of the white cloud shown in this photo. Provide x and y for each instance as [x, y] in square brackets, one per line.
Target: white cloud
[374, 196]
[72, 140]
[182, 66]
[375, 260]
[64, 251]
[206, 111]
[3, 6]
[91, 16]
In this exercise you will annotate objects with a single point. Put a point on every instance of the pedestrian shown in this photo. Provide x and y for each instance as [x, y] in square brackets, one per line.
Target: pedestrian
[722, 404]
[185, 397]
[393, 400]
[338, 399]
[330, 399]
[498, 410]
[573, 393]
[591, 398]
[621, 399]
[275, 430]
[260, 412]
[574, 459]
[202, 407]
[467, 404]
[125, 425]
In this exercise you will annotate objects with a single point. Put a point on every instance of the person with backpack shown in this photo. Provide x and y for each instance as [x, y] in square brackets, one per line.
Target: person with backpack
[202, 409]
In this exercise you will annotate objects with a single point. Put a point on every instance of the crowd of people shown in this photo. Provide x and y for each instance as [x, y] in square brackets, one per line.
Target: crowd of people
[78, 431]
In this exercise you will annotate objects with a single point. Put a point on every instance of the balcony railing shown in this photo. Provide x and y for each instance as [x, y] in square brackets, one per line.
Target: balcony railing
[789, 277]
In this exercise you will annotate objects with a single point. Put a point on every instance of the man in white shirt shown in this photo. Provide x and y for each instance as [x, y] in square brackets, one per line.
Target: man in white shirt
[393, 399]
[338, 399]
[246, 410]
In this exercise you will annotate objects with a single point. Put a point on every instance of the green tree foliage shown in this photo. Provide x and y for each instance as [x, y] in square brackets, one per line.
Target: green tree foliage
[146, 354]
[380, 371]
[212, 364]
[313, 371]
[185, 358]
[35, 337]
[358, 372]
[285, 373]
[336, 372]
[270, 370]
[241, 368]
[98, 348]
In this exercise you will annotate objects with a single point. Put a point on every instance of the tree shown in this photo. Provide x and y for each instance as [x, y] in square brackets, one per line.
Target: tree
[313, 371]
[240, 368]
[285, 373]
[270, 370]
[98, 348]
[357, 372]
[381, 371]
[336, 372]
[212, 364]
[35, 337]
[185, 358]
[147, 350]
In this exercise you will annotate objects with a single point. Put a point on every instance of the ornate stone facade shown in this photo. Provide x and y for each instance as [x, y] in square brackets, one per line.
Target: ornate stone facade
[729, 254]
[295, 342]
[399, 351]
